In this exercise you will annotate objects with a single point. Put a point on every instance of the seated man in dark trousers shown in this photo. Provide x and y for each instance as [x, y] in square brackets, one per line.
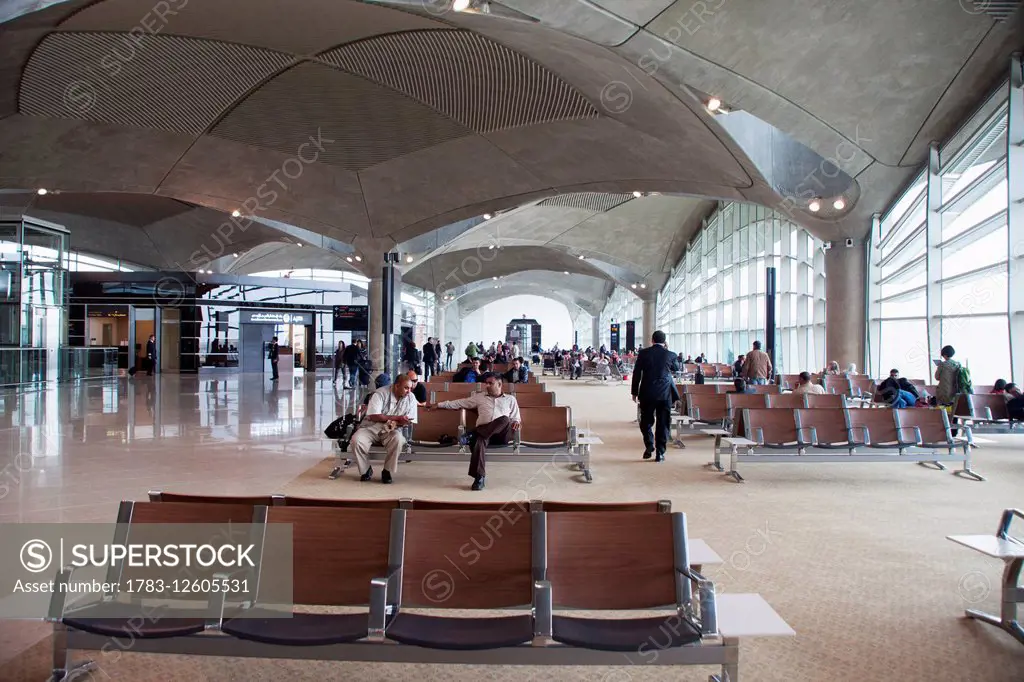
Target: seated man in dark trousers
[497, 419]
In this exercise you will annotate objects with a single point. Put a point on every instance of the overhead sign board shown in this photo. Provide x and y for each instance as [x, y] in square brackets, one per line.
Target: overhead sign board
[351, 318]
[275, 317]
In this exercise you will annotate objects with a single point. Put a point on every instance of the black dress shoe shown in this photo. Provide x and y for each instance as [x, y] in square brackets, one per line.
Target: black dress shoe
[660, 457]
[478, 483]
[368, 475]
[647, 454]
[385, 476]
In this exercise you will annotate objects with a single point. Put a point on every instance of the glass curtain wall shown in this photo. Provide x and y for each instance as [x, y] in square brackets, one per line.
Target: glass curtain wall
[939, 258]
[714, 300]
[622, 306]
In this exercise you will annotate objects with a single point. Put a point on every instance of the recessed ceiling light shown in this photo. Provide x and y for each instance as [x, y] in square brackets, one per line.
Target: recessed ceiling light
[487, 216]
[41, 191]
[348, 258]
[359, 258]
[714, 104]
[814, 206]
[408, 259]
[582, 256]
[298, 244]
[460, 5]
[235, 255]
[634, 286]
[643, 286]
[638, 194]
[495, 279]
[839, 204]
[236, 213]
[566, 272]
[491, 247]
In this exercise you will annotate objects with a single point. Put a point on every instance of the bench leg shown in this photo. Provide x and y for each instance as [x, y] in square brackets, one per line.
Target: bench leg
[733, 472]
[966, 471]
[731, 668]
[1012, 596]
[717, 463]
[932, 465]
[62, 672]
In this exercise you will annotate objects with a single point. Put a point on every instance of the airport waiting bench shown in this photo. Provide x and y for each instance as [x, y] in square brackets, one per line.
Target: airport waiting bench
[780, 435]
[704, 410]
[985, 413]
[379, 564]
[1010, 550]
[701, 554]
[547, 435]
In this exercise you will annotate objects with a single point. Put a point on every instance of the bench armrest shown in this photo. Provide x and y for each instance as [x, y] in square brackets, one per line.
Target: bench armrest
[384, 595]
[1006, 521]
[866, 439]
[543, 608]
[59, 596]
[800, 435]
[708, 617]
[913, 429]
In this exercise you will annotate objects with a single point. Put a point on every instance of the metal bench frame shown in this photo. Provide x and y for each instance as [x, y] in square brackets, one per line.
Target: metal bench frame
[741, 449]
[713, 648]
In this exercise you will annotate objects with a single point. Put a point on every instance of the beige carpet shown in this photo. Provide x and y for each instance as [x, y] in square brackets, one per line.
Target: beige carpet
[853, 556]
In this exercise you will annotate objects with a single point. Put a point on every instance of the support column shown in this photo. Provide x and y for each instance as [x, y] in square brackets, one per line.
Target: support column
[933, 237]
[439, 320]
[375, 299]
[650, 321]
[845, 298]
[595, 340]
[1015, 218]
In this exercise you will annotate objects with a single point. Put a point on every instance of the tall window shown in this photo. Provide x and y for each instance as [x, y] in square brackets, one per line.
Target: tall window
[714, 301]
[623, 306]
[940, 277]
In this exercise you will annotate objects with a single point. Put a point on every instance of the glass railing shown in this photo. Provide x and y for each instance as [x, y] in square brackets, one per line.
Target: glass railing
[88, 362]
[22, 366]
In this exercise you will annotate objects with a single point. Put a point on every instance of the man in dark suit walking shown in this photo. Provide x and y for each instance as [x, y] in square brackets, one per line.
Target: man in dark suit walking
[654, 388]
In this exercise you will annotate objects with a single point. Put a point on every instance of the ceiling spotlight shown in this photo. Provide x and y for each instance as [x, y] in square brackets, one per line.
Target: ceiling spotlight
[814, 206]
[714, 104]
[348, 258]
[461, 5]
[643, 286]
[487, 216]
[298, 244]
[634, 286]
[637, 195]
[490, 247]
[495, 279]
[235, 255]
[41, 191]
[236, 213]
[359, 258]
[839, 204]
[582, 257]
[408, 259]
[566, 272]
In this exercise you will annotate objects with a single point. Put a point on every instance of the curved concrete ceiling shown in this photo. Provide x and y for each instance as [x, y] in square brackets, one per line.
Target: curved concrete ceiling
[577, 292]
[449, 271]
[288, 112]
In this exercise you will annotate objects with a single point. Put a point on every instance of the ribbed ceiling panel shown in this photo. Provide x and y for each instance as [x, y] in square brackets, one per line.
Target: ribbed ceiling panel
[362, 124]
[588, 201]
[474, 80]
[164, 82]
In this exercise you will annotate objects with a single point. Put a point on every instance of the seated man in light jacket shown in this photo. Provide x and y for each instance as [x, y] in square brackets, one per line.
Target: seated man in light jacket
[390, 408]
[497, 419]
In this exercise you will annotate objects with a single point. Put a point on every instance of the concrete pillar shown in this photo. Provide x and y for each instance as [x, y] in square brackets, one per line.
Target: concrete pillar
[376, 339]
[1015, 218]
[439, 315]
[650, 322]
[595, 339]
[845, 297]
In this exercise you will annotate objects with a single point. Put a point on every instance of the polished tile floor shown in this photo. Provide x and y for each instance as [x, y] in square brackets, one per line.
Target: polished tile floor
[853, 556]
[73, 452]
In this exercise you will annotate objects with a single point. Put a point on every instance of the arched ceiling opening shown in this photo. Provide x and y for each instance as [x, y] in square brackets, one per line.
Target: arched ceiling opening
[577, 292]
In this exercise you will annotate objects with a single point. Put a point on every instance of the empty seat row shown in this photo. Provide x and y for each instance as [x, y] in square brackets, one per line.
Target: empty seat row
[721, 407]
[846, 428]
[663, 506]
[540, 568]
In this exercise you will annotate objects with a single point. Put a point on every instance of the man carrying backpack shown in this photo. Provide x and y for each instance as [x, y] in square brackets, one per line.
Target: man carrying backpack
[953, 378]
